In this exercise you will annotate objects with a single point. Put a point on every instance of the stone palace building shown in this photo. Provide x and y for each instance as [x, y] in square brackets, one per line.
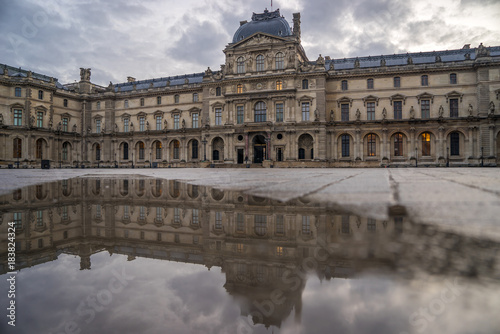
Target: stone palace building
[267, 105]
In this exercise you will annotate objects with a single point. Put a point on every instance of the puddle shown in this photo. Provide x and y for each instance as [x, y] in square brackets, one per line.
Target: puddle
[146, 255]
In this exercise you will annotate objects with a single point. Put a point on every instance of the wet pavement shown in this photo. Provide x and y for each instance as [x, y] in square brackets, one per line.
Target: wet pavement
[252, 251]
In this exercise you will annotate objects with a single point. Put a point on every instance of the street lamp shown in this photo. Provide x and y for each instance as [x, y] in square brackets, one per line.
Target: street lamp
[482, 163]
[204, 141]
[447, 157]
[149, 159]
[416, 157]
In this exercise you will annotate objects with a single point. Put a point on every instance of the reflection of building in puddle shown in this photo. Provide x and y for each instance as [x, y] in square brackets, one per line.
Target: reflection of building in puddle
[265, 248]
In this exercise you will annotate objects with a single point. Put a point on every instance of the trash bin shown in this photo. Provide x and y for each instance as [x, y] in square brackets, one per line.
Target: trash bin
[45, 164]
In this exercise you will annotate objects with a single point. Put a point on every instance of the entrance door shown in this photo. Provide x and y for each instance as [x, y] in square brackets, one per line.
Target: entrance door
[279, 154]
[259, 149]
[240, 156]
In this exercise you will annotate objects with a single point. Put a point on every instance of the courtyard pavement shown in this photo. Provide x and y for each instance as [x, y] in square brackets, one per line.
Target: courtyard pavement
[465, 200]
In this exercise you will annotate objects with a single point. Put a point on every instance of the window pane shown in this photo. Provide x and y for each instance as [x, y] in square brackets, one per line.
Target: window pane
[453, 107]
[260, 112]
[370, 111]
[344, 112]
[398, 109]
[345, 145]
[279, 112]
[305, 111]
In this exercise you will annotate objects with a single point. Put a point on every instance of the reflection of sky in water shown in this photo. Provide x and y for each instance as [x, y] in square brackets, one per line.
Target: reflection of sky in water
[390, 288]
[175, 297]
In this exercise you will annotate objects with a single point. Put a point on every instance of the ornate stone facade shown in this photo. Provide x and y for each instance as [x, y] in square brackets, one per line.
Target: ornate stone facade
[268, 104]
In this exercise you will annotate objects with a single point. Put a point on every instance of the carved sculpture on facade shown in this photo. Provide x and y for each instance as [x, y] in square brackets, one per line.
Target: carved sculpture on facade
[482, 51]
[84, 74]
[358, 115]
[165, 124]
[332, 116]
[356, 63]
[320, 60]
[32, 121]
[384, 113]
[492, 108]
[470, 110]
[412, 112]
[410, 60]
[1, 119]
[441, 111]
[183, 123]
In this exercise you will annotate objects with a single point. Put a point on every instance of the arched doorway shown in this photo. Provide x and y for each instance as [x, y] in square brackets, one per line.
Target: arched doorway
[306, 144]
[259, 149]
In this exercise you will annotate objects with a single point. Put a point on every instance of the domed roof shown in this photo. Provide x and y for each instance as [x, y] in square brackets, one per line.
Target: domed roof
[268, 22]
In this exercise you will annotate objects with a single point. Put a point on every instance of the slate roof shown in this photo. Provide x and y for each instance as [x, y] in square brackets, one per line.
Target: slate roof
[268, 22]
[402, 59]
[160, 82]
[20, 73]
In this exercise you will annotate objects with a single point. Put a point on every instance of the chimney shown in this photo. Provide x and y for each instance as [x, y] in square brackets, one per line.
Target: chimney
[296, 24]
[130, 79]
[243, 22]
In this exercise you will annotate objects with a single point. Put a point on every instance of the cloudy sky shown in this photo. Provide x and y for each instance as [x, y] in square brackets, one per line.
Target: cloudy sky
[155, 38]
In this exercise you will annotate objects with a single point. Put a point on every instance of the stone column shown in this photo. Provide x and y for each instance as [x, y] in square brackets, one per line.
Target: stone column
[383, 152]
[412, 142]
[440, 150]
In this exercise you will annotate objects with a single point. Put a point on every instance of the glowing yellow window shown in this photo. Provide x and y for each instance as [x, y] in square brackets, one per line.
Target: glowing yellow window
[239, 88]
[279, 85]
[240, 248]
[279, 251]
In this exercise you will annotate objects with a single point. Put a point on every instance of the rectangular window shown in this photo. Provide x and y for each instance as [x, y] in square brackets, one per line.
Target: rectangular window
[240, 114]
[425, 80]
[240, 223]
[306, 225]
[158, 100]
[397, 82]
[195, 119]
[218, 220]
[196, 217]
[18, 220]
[344, 84]
[370, 111]
[345, 146]
[371, 225]
[176, 121]
[279, 112]
[65, 124]
[39, 218]
[398, 109]
[125, 125]
[453, 78]
[280, 225]
[142, 213]
[18, 117]
[218, 116]
[39, 119]
[369, 83]
[344, 112]
[126, 212]
[97, 126]
[305, 111]
[453, 107]
[142, 123]
[195, 97]
[425, 107]
[158, 122]
[345, 225]
[17, 92]
[40, 94]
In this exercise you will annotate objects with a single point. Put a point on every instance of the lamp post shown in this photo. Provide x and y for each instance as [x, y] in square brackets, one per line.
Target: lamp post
[204, 141]
[132, 159]
[482, 162]
[150, 159]
[416, 157]
[447, 157]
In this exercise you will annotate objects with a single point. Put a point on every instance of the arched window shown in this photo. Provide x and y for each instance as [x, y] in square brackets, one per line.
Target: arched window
[218, 91]
[176, 151]
[194, 149]
[280, 61]
[141, 150]
[305, 84]
[260, 63]
[454, 143]
[98, 152]
[39, 149]
[372, 145]
[398, 145]
[125, 151]
[279, 85]
[158, 150]
[426, 144]
[240, 65]
[260, 111]
[65, 151]
[345, 140]
[239, 88]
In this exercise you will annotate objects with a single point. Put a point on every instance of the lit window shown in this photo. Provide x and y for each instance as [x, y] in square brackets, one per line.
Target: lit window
[426, 144]
[280, 61]
[239, 88]
[372, 145]
[279, 85]
[369, 83]
[424, 80]
[279, 251]
[260, 63]
[305, 111]
[218, 116]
